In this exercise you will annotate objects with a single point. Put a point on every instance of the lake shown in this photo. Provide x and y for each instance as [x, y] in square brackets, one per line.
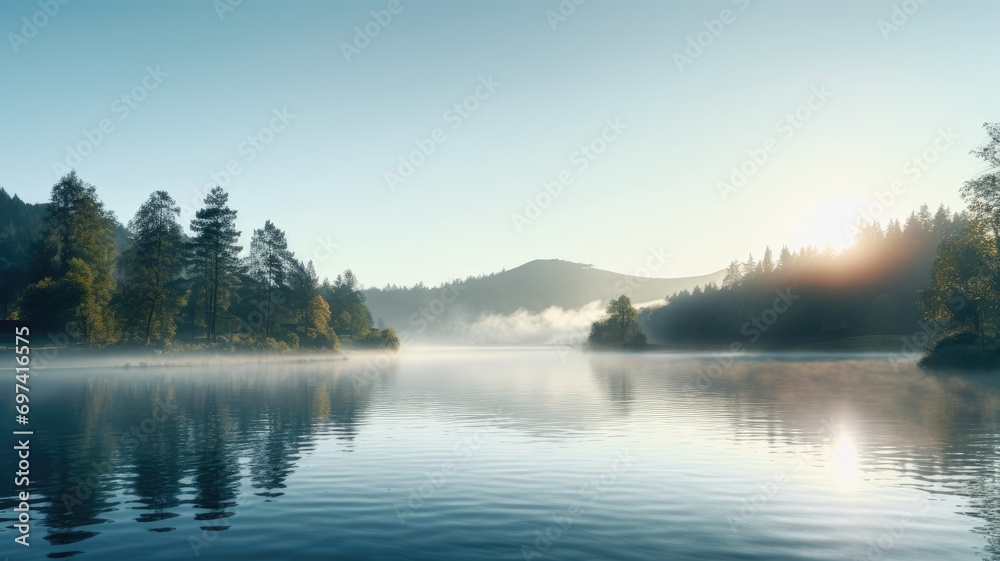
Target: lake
[512, 453]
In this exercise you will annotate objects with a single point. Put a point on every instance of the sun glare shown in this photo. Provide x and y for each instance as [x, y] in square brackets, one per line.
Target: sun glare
[845, 462]
[828, 225]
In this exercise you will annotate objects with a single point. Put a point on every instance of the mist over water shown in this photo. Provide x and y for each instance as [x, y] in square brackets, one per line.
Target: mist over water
[538, 450]
[552, 325]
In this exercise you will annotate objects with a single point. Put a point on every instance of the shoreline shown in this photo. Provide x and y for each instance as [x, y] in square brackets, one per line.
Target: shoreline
[868, 344]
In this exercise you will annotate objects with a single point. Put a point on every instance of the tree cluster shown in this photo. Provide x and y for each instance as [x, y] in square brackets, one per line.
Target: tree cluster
[870, 288]
[963, 302]
[161, 287]
[934, 275]
[619, 327]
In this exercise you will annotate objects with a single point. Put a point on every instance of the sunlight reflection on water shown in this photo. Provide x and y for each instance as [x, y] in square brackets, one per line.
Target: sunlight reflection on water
[466, 453]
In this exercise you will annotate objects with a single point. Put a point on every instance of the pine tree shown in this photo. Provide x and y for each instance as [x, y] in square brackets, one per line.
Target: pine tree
[215, 258]
[350, 315]
[785, 258]
[77, 241]
[983, 192]
[268, 266]
[150, 267]
[768, 262]
[734, 275]
[750, 268]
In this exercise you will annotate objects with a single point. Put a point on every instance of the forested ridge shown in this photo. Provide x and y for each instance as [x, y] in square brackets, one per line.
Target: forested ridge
[69, 267]
[932, 280]
[870, 288]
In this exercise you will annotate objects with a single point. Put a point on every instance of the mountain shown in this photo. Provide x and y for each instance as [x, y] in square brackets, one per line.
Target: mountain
[521, 298]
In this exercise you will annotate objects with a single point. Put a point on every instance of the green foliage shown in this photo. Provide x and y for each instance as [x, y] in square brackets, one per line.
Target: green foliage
[20, 224]
[380, 339]
[871, 285]
[20, 227]
[965, 294]
[268, 267]
[982, 193]
[316, 324]
[163, 288]
[350, 317]
[620, 326]
[150, 295]
[77, 251]
[215, 262]
[963, 287]
[49, 302]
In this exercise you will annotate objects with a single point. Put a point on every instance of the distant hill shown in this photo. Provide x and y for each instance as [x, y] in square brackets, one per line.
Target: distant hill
[20, 225]
[447, 311]
[20, 229]
[541, 301]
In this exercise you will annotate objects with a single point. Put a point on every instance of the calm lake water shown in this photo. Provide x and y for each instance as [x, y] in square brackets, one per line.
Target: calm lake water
[471, 454]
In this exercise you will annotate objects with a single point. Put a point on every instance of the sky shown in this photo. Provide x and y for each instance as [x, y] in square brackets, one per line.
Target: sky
[426, 141]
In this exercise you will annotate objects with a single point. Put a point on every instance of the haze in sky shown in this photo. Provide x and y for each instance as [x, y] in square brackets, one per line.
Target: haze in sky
[412, 141]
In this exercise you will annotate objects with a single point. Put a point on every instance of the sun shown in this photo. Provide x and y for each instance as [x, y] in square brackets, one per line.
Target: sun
[828, 224]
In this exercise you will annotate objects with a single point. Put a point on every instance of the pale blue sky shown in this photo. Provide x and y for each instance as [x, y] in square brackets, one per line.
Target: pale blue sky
[323, 176]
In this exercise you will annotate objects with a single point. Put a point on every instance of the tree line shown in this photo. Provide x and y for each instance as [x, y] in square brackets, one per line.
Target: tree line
[160, 287]
[934, 277]
[870, 288]
[963, 301]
